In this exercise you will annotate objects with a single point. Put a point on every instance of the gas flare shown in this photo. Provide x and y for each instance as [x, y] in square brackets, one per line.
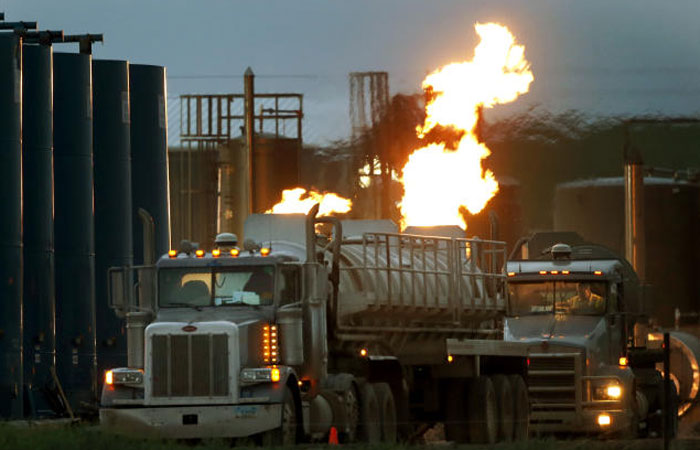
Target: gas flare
[300, 201]
[439, 182]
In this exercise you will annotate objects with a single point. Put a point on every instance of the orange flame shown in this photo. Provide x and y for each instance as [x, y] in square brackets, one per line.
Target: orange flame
[300, 201]
[439, 182]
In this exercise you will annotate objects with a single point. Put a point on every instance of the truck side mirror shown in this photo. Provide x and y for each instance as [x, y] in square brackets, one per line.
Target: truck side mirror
[119, 290]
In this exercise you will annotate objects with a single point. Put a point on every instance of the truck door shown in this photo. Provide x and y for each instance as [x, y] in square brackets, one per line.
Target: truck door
[616, 324]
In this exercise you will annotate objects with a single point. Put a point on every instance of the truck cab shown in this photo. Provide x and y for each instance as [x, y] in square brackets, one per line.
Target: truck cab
[583, 305]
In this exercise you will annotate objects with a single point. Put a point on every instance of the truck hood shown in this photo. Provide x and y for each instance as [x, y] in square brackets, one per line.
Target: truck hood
[237, 314]
[585, 332]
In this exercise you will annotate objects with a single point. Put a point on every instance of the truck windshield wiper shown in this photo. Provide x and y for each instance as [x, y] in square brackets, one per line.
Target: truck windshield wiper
[186, 305]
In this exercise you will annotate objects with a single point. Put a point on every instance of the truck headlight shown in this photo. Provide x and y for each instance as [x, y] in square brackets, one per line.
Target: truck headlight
[609, 392]
[124, 376]
[260, 375]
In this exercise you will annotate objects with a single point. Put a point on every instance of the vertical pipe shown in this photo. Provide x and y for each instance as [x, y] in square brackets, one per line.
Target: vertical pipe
[11, 398]
[37, 170]
[149, 155]
[667, 419]
[74, 228]
[635, 248]
[113, 212]
[249, 92]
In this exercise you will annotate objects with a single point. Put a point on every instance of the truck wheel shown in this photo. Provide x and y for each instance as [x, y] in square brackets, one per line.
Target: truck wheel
[370, 431]
[387, 412]
[521, 407]
[286, 434]
[504, 401]
[351, 402]
[482, 411]
[456, 412]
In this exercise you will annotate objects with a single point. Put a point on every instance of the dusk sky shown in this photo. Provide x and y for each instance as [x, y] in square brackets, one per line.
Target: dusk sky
[599, 57]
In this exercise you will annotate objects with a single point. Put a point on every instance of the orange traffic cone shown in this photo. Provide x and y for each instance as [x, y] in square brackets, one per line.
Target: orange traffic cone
[333, 437]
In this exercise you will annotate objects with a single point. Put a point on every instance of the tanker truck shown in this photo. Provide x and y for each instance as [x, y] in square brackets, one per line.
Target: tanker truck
[596, 365]
[315, 328]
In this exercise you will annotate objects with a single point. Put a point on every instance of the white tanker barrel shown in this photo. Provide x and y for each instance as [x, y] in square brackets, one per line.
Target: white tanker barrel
[685, 372]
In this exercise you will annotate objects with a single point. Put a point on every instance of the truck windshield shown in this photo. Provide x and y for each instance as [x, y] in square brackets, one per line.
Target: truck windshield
[548, 297]
[252, 285]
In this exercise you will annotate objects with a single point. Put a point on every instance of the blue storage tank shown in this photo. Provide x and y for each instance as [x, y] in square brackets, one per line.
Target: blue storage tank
[113, 222]
[74, 227]
[37, 171]
[11, 398]
[149, 154]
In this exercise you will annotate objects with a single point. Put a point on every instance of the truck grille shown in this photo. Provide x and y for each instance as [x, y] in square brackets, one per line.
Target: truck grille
[193, 365]
[552, 382]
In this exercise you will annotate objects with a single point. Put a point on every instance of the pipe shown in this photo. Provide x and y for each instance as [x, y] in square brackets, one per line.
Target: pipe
[635, 245]
[249, 91]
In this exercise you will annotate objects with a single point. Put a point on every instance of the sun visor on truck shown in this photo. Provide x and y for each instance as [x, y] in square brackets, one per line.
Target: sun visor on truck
[275, 227]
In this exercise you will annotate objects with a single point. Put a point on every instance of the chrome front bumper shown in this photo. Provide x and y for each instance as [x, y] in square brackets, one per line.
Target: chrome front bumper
[191, 422]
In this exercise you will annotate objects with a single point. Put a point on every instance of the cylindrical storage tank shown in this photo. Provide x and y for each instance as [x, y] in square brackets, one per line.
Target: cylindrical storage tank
[595, 210]
[37, 171]
[11, 399]
[506, 205]
[113, 213]
[275, 168]
[149, 154]
[74, 227]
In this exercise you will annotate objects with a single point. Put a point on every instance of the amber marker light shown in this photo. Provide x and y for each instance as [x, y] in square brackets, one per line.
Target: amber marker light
[511, 274]
[109, 377]
[264, 251]
[623, 361]
[598, 272]
[275, 374]
[554, 272]
[543, 272]
[199, 253]
[363, 352]
[565, 272]
[604, 420]
[450, 358]
[216, 253]
[172, 253]
[234, 252]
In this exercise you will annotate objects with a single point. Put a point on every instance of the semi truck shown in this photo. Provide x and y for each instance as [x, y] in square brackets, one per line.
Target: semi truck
[596, 365]
[316, 326]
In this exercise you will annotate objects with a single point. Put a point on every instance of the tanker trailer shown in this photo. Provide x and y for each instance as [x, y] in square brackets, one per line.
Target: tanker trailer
[296, 336]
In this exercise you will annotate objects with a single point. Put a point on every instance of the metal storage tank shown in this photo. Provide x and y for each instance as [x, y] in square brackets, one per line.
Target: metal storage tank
[595, 209]
[275, 168]
[149, 154]
[11, 397]
[39, 311]
[113, 234]
[74, 227]
[506, 205]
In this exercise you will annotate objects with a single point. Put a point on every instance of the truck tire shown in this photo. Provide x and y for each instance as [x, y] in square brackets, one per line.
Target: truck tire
[369, 429]
[351, 402]
[387, 412]
[482, 411]
[455, 411]
[521, 408]
[504, 401]
[286, 434]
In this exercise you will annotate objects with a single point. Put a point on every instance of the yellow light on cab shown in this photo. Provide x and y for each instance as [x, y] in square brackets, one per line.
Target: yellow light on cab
[554, 272]
[275, 374]
[216, 253]
[614, 391]
[565, 272]
[543, 272]
[234, 252]
[623, 361]
[199, 253]
[172, 253]
[511, 274]
[264, 251]
[363, 352]
[109, 377]
[450, 358]
[604, 420]
[598, 272]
